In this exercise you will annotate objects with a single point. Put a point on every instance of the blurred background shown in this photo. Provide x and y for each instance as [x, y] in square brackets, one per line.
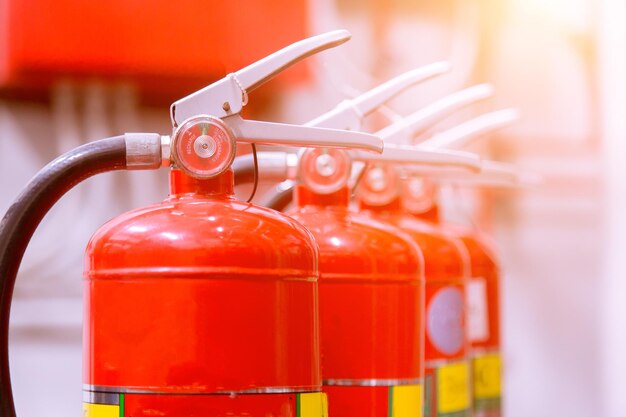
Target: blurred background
[73, 71]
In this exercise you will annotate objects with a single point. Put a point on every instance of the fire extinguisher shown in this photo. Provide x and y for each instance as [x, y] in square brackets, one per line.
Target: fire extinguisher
[483, 287]
[447, 372]
[484, 293]
[201, 304]
[482, 297]
[447, 367]
[371, 288]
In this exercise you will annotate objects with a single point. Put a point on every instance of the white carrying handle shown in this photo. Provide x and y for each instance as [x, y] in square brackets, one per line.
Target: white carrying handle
[349, 113]
[461, 135]
[491, 172]
[403, 131]
[417, 155]
[494, 174]
[499, 170]
[252, 131]
[228, 95]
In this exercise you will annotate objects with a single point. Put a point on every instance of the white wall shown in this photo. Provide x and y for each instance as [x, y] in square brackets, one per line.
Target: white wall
[612, 306]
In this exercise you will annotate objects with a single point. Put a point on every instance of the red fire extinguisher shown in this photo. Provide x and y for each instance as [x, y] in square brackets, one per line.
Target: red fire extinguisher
[483, 287]
[447, 360]
[370, 295]
[201, 304]
[484, 322]
[483, 300]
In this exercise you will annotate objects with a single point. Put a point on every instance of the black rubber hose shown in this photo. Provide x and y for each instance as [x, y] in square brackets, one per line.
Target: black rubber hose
[279, 198]
[23, 217]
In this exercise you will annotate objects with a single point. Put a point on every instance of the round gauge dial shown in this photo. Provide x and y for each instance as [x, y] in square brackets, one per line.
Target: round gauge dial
[203, 147]
[418, 194]
[325, 170]
[380, 184]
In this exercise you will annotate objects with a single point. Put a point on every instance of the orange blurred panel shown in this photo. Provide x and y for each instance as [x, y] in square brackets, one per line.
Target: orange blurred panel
[139, 39]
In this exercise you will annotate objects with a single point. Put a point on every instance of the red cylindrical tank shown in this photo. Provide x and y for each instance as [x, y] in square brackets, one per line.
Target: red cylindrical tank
[483, 298]
[207, 299]
[371, 299]
[447, 360]
[484, 321]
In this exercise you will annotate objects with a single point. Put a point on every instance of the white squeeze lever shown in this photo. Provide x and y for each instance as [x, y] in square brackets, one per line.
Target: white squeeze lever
[207, 123]
[492, 172]
[421, 156]
[347, 115]
[403, 131]
[466, 132]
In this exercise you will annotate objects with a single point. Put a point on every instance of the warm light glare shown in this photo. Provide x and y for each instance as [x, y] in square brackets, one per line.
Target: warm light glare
[569, 14]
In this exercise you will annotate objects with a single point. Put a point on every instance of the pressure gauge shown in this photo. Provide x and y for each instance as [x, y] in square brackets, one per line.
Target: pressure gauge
[325, 170]
[380, 185]
[418, 194]
[203, 147]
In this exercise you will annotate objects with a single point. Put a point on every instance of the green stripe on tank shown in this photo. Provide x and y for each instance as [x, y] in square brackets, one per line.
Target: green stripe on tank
[298, 405]
[121, 405]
